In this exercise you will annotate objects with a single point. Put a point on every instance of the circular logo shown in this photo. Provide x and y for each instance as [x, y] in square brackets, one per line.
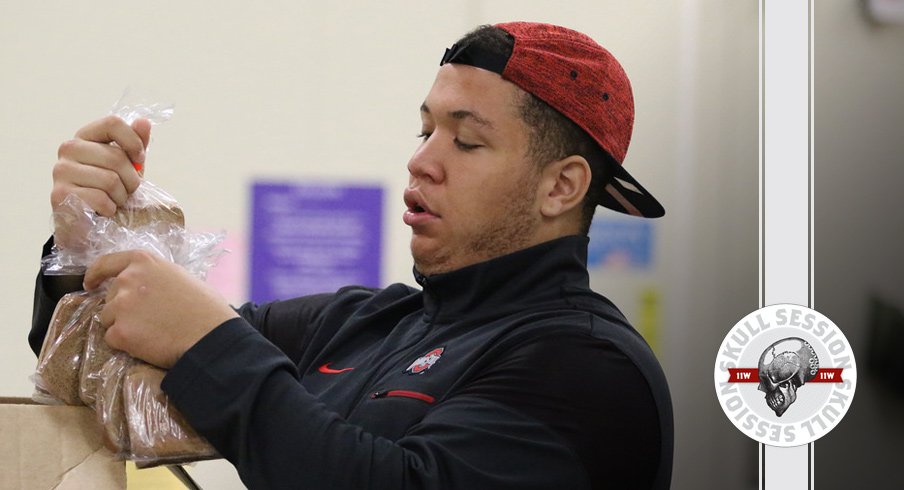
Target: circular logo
[785, 375]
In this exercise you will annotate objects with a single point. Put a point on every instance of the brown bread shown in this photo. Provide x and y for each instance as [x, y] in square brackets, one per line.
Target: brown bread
[61, 355]
[158, 433]
[160, 213]
[110, 407]
[97, 353]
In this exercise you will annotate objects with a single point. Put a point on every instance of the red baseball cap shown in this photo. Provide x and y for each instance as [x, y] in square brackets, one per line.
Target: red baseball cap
[583, 81]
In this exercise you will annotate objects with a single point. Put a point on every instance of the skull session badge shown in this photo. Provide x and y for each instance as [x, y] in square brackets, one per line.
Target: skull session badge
[763, 365]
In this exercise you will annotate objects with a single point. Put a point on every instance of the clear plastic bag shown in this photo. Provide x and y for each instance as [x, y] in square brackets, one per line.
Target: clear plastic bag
[150, 220]
[154, 226]
[56, 377]
[158, 433]
[96, 355]
[157, 228]
[149, 211]
[109, 405]
[138, 421]
[136, 104]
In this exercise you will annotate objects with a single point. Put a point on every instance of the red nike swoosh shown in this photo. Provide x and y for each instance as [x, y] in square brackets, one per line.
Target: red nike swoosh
[326, 369]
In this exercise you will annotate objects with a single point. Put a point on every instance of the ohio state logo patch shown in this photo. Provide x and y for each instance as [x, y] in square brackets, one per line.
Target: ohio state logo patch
[785, 375]
[425, 362]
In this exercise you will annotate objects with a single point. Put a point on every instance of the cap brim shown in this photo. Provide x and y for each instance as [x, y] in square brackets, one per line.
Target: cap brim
[624, 194]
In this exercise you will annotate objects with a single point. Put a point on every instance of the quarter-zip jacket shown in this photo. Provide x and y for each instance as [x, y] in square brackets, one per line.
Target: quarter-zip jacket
[510, 373]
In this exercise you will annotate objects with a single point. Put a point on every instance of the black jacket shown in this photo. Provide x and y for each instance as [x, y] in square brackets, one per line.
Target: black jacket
[510, 373]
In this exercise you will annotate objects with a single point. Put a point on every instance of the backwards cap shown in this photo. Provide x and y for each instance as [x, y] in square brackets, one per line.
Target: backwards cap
[582, 80]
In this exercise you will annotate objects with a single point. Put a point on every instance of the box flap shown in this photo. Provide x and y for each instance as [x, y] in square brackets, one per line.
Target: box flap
[16, 400]
[41, 446]
[98, 470]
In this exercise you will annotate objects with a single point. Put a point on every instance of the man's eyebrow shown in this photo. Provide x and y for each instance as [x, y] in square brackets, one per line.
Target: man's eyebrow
[463, 114]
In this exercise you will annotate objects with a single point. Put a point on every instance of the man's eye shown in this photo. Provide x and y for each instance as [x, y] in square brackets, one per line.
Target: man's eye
[424, 135]
[465, 146]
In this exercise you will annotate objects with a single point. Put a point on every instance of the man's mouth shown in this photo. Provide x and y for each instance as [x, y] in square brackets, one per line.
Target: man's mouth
[418, 212]
[415, 202]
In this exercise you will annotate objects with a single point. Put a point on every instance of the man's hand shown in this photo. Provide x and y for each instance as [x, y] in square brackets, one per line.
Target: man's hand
[154, 309]
[96, 166]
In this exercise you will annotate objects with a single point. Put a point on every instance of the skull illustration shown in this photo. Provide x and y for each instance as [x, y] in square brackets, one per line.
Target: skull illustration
[784, 367]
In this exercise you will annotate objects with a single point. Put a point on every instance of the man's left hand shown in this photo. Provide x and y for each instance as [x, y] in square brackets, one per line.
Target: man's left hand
[154, 309]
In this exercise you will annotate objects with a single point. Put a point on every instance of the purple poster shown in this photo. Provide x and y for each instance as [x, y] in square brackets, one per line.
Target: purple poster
[309, 239]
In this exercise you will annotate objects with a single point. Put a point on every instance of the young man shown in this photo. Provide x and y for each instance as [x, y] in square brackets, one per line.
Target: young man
[505, 371]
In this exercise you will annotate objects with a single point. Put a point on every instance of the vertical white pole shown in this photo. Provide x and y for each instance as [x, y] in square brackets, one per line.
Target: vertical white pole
[785, 180]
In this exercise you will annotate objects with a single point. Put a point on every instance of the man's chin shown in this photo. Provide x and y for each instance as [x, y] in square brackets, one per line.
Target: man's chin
[429, 257]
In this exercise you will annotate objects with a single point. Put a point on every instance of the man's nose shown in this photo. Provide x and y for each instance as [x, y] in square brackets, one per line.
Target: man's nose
[427, 163]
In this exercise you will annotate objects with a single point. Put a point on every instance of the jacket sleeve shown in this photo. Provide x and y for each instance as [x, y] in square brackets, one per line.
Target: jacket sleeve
[48, 291]
[245, 396]
[287, 324]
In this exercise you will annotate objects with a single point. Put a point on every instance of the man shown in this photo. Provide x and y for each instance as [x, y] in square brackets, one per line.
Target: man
[506, 371]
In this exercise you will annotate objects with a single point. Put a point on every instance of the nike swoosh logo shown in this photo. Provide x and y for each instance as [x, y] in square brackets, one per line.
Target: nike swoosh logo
[327, 370]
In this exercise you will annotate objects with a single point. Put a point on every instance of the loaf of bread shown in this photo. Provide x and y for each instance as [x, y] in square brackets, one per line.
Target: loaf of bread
[158, 433]
[96, 354]
[57, 373]
[109, 405]
[161, 213]
[65, 308]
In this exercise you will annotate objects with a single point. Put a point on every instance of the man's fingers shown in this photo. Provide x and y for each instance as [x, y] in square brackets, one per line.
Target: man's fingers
[96, 199]
[112, 288]
[106, 267]
[112, 129]
[113, 338]
[70, 177]
[101, 155]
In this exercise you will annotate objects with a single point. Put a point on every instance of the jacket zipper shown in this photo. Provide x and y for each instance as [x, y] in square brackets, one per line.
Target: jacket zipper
[405, 394]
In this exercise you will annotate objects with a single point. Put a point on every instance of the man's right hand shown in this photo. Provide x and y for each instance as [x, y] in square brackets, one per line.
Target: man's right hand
[97, 166]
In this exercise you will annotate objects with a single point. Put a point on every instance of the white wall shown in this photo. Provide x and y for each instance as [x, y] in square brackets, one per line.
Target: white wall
[329, 91]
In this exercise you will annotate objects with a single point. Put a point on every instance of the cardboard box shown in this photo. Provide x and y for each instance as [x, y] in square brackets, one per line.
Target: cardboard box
[54, 447]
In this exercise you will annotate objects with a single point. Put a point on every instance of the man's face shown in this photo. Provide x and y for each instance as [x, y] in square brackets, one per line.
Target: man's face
[472, 191]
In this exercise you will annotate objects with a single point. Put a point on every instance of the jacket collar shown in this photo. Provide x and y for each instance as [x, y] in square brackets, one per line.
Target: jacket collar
[515, 281]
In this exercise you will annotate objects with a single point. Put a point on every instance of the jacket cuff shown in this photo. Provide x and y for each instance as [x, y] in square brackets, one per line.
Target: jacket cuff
[212, 349]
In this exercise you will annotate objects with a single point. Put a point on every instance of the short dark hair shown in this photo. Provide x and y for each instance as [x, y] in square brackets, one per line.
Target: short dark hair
[552, 135]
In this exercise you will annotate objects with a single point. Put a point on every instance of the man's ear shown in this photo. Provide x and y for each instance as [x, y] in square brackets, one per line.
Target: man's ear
[564, 184]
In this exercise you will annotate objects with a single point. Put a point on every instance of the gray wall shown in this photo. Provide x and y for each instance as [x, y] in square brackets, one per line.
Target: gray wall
[859, 226]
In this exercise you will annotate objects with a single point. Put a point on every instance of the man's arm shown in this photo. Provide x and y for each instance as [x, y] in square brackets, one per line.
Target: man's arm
[287, 324]
[245, 397]
[242, 393]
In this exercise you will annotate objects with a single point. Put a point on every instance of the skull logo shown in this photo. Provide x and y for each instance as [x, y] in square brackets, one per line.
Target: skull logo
[784, 367]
